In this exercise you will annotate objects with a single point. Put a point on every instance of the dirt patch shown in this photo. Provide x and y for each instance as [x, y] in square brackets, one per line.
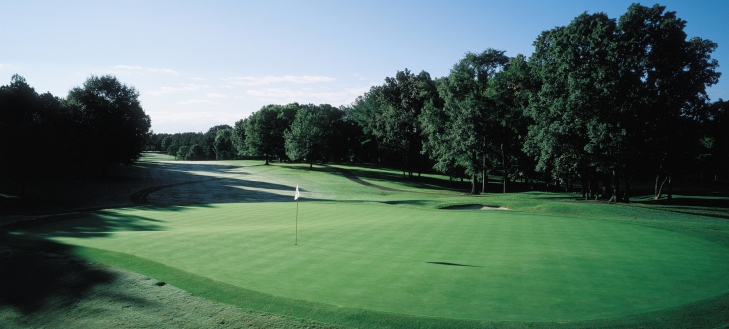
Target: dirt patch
[475, 207]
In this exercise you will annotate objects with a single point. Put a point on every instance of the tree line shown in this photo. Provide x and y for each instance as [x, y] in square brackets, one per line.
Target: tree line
[41, 135]
[602, 101]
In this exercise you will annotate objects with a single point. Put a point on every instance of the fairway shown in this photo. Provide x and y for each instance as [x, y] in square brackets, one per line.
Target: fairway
[478, 265]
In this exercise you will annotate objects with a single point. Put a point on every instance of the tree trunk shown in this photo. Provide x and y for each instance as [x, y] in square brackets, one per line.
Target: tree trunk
[614, 192]
[483, 175]
[473, 184]
[626, 191]
[670, 188]
[659, 190]
[503, 164]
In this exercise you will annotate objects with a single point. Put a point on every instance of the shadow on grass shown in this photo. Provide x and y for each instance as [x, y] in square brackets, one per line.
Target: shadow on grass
[85, 225]
[41, 277]
[451, 264]
[696, 201]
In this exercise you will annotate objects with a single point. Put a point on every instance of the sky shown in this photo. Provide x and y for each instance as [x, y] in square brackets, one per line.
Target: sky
[198, 64]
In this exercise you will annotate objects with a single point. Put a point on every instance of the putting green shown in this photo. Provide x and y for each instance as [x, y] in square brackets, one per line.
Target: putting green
[484, 265]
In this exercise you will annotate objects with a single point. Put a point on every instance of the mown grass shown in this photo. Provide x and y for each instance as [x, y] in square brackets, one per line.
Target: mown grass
[372, 258]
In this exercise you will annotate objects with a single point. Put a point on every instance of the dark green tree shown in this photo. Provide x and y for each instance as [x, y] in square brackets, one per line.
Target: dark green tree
[114, 124]
[396, 123]
[223, 145]
[464, 131]
[511, 90]
[309, 136]
[196, 152]
[664, 76]
[208, 143]
[265, 130]
[183, 153]
[238, 137]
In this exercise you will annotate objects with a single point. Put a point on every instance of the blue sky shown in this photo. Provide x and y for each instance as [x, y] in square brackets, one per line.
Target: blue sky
[197, 64]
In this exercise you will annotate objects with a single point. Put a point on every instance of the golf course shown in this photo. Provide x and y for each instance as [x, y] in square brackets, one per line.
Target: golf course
[363, 247]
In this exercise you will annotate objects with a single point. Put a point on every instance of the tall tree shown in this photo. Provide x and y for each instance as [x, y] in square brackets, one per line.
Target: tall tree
[511, 89]
[397, 125]
[223, 145]
[575, 67]
[265, 130]
[238, 137]
[468, 120]
[308, 137]
[208, 144]
[664, 77]
[25, 131]
[115, 125]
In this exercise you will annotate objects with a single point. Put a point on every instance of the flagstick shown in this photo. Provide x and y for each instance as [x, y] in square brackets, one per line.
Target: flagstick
[297, 223]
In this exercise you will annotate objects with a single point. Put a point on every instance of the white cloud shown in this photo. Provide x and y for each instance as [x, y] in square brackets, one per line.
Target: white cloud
[162, 70]
[126, 67]
[216, 95]
[184, 87]
[134, 68]
[196, 101]
[267, 80]
[306, 95]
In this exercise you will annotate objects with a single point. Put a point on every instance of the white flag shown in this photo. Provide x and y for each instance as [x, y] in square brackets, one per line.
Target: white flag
[296, 196]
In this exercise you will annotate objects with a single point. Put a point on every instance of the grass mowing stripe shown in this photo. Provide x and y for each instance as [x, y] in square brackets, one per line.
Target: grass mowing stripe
[691, 315]
[526, 267]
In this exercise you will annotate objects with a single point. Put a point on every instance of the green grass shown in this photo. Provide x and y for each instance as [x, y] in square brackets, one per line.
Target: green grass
[371, 258]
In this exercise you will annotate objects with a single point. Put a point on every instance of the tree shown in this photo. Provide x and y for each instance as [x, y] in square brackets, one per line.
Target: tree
[511, 89]
[238, 137]
[265, 130]
[22, 135]
[664, 77]
[223, 145]
[173, 150]
[114, 124]
[308, 137]
[183, 153]
[715, 142]
[363, 112]
[397, 125]
[463, 130]
[196, 152]
[208, 142]
[573, 108]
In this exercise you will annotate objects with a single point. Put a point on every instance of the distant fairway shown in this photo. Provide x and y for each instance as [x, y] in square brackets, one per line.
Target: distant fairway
[368, 257]
[479, 265]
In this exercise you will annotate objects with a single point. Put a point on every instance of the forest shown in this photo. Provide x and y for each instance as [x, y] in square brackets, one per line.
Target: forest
[600, 101]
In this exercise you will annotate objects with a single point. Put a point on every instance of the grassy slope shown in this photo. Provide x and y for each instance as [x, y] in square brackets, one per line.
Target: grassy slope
[316, 183]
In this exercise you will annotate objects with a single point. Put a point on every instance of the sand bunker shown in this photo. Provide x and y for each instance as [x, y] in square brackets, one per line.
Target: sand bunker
[476, 207]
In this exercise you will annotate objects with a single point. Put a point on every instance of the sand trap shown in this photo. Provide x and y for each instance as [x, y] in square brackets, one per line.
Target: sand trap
[476, 207]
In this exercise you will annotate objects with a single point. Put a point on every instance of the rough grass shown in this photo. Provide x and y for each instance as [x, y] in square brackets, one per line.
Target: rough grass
[373, 258]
